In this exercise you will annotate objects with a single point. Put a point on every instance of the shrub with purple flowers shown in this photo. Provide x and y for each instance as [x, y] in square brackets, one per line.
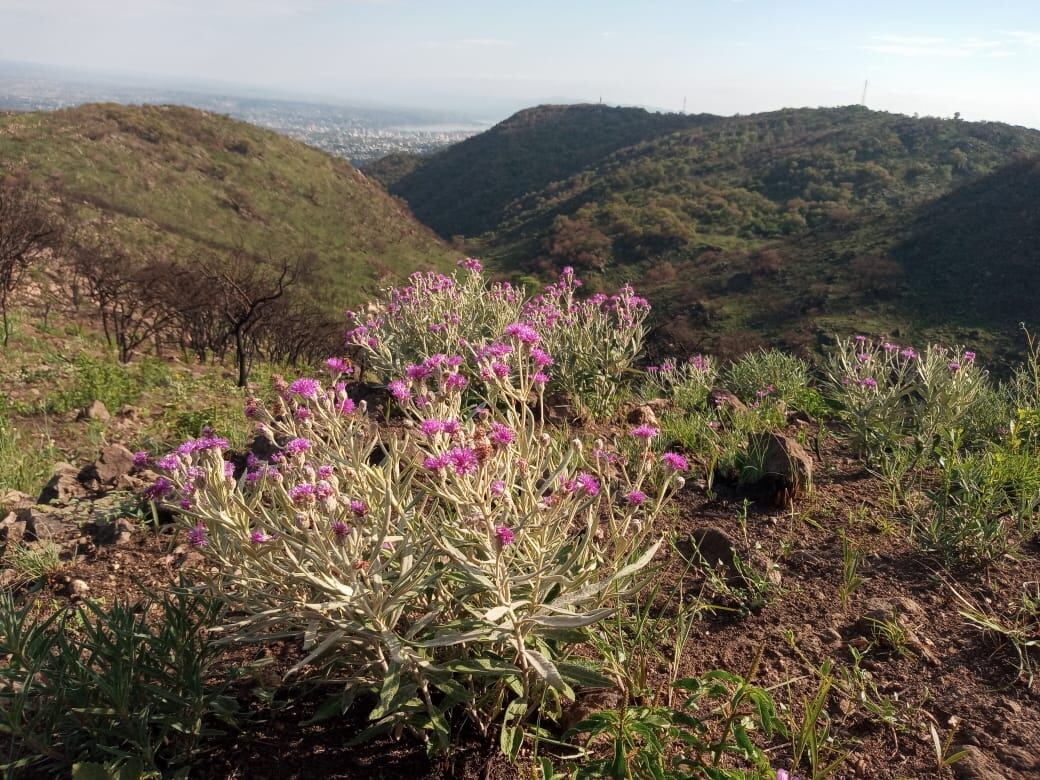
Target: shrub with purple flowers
[447, 566]
[583, 348]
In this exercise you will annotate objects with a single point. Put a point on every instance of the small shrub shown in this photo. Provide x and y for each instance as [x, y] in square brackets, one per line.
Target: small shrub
[771, 376]
[686, 384]
[23, 466]
[449, 565]
[122, 685]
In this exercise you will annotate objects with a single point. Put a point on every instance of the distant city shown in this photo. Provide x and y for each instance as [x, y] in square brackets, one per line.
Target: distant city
[359, 133]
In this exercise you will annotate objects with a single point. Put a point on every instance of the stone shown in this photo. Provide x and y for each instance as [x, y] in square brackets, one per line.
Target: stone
[786, 469]
[119, 532]
[114, 462]
[11, 500]
[63, 486]
[643, 414]
[77, 589]
[11, 529]
[40, 526]
[97, 411]
[718, 398]
[714, 546]
[977, 765]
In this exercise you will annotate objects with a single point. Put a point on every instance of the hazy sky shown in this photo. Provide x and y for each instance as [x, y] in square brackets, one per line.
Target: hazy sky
[981, 58]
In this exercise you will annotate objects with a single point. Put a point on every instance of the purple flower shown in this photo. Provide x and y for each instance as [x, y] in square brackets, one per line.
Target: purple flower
[301, 413]
[470, 264]
[158, 490]
[453, 382]
[540, 378]
[523, 333]
[346, 407]
[340, 530]
[588, 483]
[635, 497]
[359, 508]
[297, 445]
[305, 388]
[675, 461]
[337, 366]
[499, 369]
[302, 494]
[969, 357]
[868, 382]
[498, 487]
[259, 537]
[168, 462]
[324, 472]
[862, 357]
[645, 432]
[417, 372]
[197, 536]
[908, 353]
[463, 460]
[431, 427]
[501, 434]
[141, 459]
[399, 390]
[860, 339]
[505, 535]
[954, 366]
[541, 358]
[435, 462]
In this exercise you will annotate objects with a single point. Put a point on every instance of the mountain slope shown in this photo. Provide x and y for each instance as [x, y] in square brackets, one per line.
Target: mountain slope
[466, 188]
[178, 182]
[780, 227]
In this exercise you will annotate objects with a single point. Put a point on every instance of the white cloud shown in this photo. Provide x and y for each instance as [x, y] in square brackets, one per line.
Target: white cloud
[925, 46]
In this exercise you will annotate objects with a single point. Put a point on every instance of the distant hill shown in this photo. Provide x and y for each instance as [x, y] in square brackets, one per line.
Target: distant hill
[177, 182]
[466, 188]
[783, 227]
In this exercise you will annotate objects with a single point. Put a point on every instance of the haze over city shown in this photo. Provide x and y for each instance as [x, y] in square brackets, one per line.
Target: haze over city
[491, 58]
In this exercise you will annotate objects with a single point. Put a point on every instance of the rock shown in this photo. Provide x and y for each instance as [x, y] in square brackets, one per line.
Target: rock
[786, 469]
[587, 702]
[63, 485]
[77, 590]
[118, 533]
[11, 529]
[115, 461]
[11, 500]
[718, 398]
[977, 765]
[40, 526]
[714, 546]
[96, 411]
[645, 414]
[127, 411]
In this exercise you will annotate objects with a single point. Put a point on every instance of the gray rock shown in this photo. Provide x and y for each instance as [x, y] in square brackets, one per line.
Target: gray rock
[40, 526]
[96, 411]
[114, 462]
[63, 486]
[785, 465]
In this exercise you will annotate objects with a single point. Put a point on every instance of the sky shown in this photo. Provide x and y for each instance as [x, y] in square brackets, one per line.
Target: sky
[490, 57]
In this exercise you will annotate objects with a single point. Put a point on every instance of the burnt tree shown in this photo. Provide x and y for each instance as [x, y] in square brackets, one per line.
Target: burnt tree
[26, 230]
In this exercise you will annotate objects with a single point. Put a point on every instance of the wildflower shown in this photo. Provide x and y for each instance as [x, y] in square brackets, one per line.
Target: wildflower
[765, 391]
[453, 382]
[229, 470]
[305, 388]
[541, 358]
[908, 353]
[888, 346]
[340, 530]
[158, 490]
[346, 407]
[359, 508]
[588, 483]
[954, 366]
[463, 460]
[635, 497]
[969, 357]
[197, 536]
[500, 369]
[431, 427]
[450, 427]
[645, 432]
[302, 494]
[862, 357]
[523, 333]
[675, 461]
[297, 445]
[868, 382]
[141, 459]
[860, 339]
[470, 264]
[505, 535]
[168, 462]
[324, 472]
[259, 537]
[338, 366]
[302, 413]
[498, 487]
[501, 434]
[435, 462]
[417, 372]
[399, 390]
[540, 378]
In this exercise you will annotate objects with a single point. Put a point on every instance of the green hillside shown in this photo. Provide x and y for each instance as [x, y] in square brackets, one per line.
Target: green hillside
[176, 182]
[780, 227]
[466, 189]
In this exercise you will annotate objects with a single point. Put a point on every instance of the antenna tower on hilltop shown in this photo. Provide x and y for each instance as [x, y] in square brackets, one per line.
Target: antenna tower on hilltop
[684, 104]
[863, 100]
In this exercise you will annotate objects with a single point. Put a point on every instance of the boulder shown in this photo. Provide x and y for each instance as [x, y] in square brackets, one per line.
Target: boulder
[718, 398]
[11, 500]
[645, 414]
[119, 532]
[977, 765]
[96, 411]
[114, 462]
[40, 526]
[785, 467]
[63, 486]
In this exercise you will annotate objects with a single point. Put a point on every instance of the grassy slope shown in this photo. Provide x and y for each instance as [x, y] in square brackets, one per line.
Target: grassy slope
[177, 181]
[467, 188]
[687, 215]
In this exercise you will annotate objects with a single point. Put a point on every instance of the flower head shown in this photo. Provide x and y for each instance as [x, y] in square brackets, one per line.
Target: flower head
[504, 535]
[645, 432]
[635, 497]
[197, 536]
[305, 388]
[259, 537]
[675, 461]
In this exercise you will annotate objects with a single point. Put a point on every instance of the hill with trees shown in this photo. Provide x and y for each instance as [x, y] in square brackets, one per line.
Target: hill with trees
[780, 227]
[173, 183]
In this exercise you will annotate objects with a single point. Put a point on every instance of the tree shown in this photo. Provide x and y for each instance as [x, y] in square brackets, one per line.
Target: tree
[26, 231]
[246, 288]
